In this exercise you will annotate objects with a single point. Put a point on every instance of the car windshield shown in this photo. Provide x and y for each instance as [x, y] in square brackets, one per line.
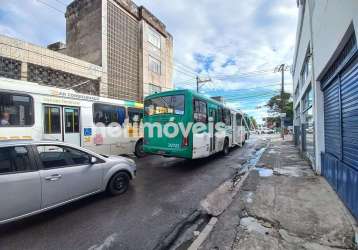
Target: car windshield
[173, 104]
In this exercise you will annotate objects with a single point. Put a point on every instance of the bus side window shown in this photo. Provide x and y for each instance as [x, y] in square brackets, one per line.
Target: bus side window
[238, 119]
[200, 111]
[220, 115]
[135, 116]
[16, 110]
[227, 117]
[107, 114]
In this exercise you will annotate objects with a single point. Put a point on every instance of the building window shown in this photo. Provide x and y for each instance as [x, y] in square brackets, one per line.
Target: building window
[298, 115]
[154, 38]
[154, 65]
[297, 91]
[308, 99]
[154, 89]
[306, 68]
[308, 122]
[10, 68]
[16, 110]
[107, 114]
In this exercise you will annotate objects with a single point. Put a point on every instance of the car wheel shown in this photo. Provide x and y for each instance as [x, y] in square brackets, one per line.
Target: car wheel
[139, 151]
[118, 184]
[226, 149]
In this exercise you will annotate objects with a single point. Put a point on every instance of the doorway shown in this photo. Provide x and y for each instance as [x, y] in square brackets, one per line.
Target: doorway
[62, 123]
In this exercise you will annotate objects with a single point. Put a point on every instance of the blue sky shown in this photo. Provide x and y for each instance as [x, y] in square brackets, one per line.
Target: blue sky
[235, 43]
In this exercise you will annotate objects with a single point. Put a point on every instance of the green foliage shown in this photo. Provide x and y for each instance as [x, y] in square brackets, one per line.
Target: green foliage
[274, 108]
[253, 122]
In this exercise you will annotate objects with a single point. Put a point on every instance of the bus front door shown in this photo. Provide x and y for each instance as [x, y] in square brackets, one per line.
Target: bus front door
[62, 124]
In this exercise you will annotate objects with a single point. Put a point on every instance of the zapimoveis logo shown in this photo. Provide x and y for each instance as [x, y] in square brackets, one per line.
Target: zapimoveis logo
[169, 129]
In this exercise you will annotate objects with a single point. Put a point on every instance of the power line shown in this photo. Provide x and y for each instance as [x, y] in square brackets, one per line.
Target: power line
[60, 2]
[50, 6]
[185, 68]
[183, 72]
[251, 97]
[247, 73]
[251, 100]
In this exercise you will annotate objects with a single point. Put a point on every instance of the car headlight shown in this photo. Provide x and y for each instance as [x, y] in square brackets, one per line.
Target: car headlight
[130, 161]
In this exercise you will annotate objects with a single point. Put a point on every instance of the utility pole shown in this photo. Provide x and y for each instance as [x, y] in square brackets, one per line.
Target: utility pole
[198, 81]
[282, 68]
[197, 84]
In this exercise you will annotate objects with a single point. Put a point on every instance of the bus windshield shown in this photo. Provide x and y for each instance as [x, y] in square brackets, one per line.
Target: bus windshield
[173, 104]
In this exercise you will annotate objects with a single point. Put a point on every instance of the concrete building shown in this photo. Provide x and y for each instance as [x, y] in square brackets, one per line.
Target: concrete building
[127, 41]
[24, 61]
[325, 77]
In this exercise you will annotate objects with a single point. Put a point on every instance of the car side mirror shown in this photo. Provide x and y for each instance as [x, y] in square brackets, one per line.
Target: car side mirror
[93, 160]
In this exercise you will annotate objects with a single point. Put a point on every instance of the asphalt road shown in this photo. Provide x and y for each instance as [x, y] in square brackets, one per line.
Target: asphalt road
[165, 192]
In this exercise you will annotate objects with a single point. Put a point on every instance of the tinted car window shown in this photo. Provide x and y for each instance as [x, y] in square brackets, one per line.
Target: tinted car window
[14, 159]
[58, 157]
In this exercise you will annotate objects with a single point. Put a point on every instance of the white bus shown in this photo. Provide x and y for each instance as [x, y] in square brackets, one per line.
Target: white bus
[29, 111]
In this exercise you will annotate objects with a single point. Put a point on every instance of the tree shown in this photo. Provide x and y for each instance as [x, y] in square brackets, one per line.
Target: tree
[253, 122]
[274, 105]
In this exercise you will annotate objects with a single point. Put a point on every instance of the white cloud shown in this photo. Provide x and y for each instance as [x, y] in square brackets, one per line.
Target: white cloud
[252, 34]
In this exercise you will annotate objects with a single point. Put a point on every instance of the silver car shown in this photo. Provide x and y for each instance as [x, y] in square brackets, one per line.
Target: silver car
[38, 176]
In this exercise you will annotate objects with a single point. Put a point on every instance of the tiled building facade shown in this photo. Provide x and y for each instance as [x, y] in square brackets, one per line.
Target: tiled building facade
[24, 61]
[130, 44]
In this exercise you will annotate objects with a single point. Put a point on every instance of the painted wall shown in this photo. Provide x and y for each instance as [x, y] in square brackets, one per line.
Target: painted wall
[331, 20]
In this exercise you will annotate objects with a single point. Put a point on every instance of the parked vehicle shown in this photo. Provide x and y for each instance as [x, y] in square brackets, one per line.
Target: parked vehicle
[37, 112]
[185, 107]
[38, 176]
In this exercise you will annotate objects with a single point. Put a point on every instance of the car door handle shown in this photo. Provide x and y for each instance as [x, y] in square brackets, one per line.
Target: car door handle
[54, 177]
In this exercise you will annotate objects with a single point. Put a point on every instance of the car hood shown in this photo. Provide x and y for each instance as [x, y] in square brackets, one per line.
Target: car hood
[120, 159]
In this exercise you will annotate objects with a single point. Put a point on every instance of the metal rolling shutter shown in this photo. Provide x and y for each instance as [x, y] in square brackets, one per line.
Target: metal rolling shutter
[349, 97]
[332, 119]
[340, 159]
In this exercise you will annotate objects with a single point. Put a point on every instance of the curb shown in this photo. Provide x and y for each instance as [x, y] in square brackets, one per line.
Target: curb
[210, 226]
[168, 240]
[204, 234]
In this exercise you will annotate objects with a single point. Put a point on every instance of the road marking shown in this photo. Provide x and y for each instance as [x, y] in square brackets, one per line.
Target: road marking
[107, 244]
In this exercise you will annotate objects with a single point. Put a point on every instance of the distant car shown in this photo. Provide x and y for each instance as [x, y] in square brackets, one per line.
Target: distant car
[270, 131]
[38, 176]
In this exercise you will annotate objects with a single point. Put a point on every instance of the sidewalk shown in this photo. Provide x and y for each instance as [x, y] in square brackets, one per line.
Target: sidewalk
[283, 205]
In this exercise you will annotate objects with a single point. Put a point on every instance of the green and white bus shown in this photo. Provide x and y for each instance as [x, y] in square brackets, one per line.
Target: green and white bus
[184, 124]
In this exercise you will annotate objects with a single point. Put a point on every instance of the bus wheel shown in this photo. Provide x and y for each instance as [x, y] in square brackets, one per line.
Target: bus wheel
[226, 149]
[139, 152]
